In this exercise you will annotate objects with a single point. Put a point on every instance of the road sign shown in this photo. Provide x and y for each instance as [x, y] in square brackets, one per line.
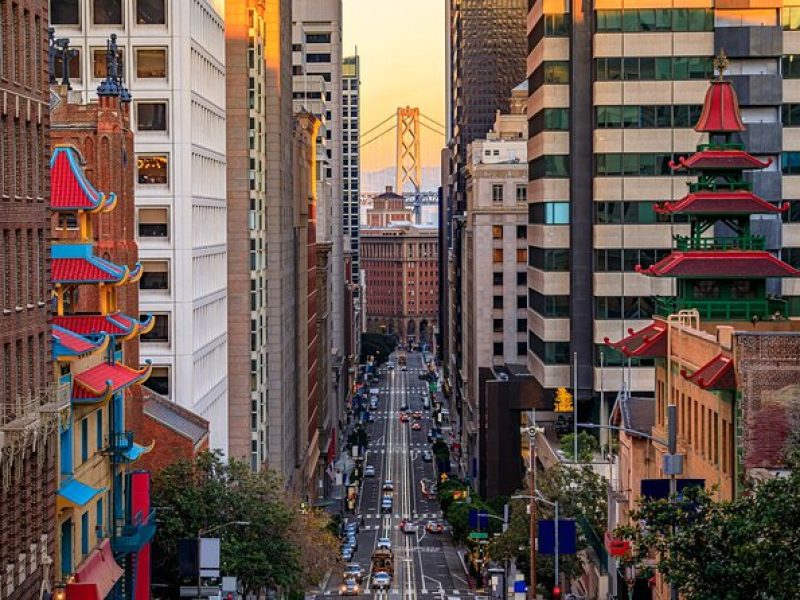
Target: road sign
[659, 488]
[478, 535]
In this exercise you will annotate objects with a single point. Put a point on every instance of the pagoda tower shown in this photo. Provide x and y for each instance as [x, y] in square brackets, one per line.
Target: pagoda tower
[721, 267]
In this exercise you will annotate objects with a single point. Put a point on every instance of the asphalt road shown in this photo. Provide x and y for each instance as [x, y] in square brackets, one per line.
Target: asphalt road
[426, 565]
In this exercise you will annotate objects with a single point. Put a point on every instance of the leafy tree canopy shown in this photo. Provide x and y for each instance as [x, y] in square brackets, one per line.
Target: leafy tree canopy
[587, 446]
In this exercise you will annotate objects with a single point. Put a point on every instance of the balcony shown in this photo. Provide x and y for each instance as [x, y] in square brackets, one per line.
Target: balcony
[724, 310]
[120, 445]
[129, 538]
[721, 186]
[750, 242]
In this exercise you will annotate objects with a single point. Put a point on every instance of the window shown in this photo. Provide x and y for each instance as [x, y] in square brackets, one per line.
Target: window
[790, 18]
[151, 63]
[617, 259]
[317, 57]
[615, 358]
[549, 165]
[497, 232]
[557, 25]
[160, 331]
[497, 302]
[522, 325]
[497, 278]
[151, 116]
[522, 301]
[67, 221]
[617, 213]
[107, 12]
[631, 68]
[318, 38]
[99, 62]
[497, 192]
[790, 163]
[556, 119]
[522, 256]
[85, 533]
[497, 349]
[522, 348]
[84, 439]
[550, 259]
[155, 276]
[497, 255]
[647, 116]
[633, 164]
[497, 325]
[99, 518]
[623, 307]
[74, 66]
[153, 223]
[151, 12]
[556, 71]
[98, 433]
[65, 12]
[548, 213]
[522, 278]
[152, 169]
[522, 232]
[548, 306]
[649, 20]
[550, 353]
[159, 380]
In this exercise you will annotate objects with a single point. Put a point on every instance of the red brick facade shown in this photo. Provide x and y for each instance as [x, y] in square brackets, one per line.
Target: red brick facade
[27, 464]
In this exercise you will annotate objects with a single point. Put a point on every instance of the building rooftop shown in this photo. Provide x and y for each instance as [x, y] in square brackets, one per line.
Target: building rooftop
[177, 418]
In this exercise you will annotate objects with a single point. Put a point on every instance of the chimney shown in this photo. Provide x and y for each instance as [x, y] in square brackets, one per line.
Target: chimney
[388, 189]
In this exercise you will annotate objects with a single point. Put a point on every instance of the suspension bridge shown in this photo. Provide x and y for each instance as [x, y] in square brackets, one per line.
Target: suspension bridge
[408, 151]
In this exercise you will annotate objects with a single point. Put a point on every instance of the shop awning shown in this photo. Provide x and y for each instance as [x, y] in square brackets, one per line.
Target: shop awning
[74, 493]
[96, 575]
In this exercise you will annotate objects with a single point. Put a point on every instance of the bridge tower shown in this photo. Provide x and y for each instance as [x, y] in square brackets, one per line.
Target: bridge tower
[408, 167]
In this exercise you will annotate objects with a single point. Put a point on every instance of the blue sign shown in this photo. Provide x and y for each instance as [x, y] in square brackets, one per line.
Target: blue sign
[520, 587]
[478, 519]
[567, 537]
[659, 488]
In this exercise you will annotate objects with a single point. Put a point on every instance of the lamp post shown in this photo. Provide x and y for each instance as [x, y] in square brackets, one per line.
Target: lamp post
[533, 498]
[200, 535]
[532, 431]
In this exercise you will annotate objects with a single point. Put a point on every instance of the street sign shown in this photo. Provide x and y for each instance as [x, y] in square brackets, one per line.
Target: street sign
[567, 535]
[659, 488]
[478, 535]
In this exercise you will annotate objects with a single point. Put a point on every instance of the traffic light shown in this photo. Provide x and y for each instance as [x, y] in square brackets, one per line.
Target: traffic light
[556, 593]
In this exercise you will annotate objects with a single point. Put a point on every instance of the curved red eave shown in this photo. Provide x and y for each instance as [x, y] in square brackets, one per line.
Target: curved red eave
[105, 379]
[717, 264]
[722, 160]
[115, 324]
[69, 187]
[716, 374]
[650, 342]
[721, 203]
[86, 270]
[720, 110]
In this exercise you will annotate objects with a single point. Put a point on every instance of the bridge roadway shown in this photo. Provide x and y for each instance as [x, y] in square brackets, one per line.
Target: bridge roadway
[427, 565]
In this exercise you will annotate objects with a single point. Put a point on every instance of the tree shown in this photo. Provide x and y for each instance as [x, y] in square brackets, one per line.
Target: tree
[271, 552]
[587, 446]
[740, 550]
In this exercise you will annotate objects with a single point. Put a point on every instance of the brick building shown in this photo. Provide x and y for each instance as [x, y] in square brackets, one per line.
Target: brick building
[28, 402]
[401, 280]
[388, 207]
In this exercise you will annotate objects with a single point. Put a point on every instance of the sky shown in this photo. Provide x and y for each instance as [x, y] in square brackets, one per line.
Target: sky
[402, 48]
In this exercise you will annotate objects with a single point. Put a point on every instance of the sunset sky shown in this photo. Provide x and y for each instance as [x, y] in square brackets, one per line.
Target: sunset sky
[402, 48]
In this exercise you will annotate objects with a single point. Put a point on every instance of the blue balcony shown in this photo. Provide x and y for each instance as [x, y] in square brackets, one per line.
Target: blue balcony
[120, 446]
[130, 538]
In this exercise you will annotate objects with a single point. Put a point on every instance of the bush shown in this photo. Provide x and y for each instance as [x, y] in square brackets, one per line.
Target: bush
[587, 446]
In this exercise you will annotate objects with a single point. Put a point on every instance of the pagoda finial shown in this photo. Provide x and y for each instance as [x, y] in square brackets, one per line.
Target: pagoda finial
[721, 63]
[110, 85]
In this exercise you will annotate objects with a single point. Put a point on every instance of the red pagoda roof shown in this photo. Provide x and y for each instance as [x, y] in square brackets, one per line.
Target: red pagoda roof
[69, 187]
[100, 382]
[720, 109]
[726, 203]
[90, 269]
[650, 342]
[725, 160]
[115, 324]
[716, 374]
[67, 344]
[717, 264]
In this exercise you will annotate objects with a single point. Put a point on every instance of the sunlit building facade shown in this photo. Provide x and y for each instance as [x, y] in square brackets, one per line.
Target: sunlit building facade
[351, 156]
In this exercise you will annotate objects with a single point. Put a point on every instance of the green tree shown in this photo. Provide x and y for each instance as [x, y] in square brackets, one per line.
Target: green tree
[740, 550]
[268, 553]
[587, 446]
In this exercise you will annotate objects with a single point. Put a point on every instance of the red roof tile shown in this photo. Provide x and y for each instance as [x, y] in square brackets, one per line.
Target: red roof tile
[714, 203]
[69, 188]
[85, 270]
[104, 378]
[720, 159]
[71, 342]
[720, 109]
[716, 374]
[717, 264]
[650, 342]
[113, 324]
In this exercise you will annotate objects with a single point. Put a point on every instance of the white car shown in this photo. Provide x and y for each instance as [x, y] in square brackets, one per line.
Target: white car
[369, 471]
[390, 365]
[381, 581]
[384, 543]
[410, 527]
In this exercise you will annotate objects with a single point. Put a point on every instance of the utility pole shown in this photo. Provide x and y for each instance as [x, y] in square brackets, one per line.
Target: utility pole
[575, 406]
[532, 431]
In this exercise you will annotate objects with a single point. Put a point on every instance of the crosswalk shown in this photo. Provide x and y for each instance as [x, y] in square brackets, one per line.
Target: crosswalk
[438, 593]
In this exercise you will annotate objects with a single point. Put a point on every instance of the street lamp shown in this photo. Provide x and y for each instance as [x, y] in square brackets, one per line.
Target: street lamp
[200, 535]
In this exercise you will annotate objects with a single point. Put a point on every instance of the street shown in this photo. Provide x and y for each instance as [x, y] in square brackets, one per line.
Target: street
[426, 564]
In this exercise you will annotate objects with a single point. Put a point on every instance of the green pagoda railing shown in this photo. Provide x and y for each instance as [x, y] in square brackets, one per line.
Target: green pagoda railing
[722, 146]
[720, 186]
[724, 310]
[749, 242]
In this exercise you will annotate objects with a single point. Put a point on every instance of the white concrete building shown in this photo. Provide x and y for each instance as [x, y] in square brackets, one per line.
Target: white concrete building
[173, 57]
[351, 154]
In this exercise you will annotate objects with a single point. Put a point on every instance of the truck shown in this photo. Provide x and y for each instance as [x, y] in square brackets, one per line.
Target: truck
[383, 561]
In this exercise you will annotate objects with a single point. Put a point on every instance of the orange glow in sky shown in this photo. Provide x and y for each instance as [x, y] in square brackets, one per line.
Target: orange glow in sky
[402, 48]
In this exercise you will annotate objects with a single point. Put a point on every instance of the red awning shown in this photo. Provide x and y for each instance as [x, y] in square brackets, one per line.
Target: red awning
[716, 374]
[103, 379]
[721, 203]
[717, 264]
[720, 109]
[724, 160]
[96, 575]
[650, 342]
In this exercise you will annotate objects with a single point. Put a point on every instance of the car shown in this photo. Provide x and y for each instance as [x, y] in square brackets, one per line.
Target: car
[409, 527]
[370, 417]
[390, 365]
[386, 504]
[427, 456]
[347, 553]
[434, 527]
[381, 581]
[416, 427]
[353, 571]
[404, 407]
[350, 587]
[404, 368]
[417, 414]
[369, 471]
[384, 543]
[403, 417]
[388, 485]
[352, 541]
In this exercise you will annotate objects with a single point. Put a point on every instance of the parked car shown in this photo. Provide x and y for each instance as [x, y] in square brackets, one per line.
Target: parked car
[427, 456]
[347, 553]
[353, 571]
[390, 365]
[384, 543]
[388, 485]
[381, 581]
[350, 587]
[369, 471]
[434, 527]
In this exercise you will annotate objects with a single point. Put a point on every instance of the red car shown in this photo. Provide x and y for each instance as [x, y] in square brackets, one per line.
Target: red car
[434, 527]
[416, 427]
[417, 415]
[403, 418]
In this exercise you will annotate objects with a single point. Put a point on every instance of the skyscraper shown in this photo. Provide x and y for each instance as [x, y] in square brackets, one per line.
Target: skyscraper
[613, 98]
[173, 61]
[28, 404]
[351, 153]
